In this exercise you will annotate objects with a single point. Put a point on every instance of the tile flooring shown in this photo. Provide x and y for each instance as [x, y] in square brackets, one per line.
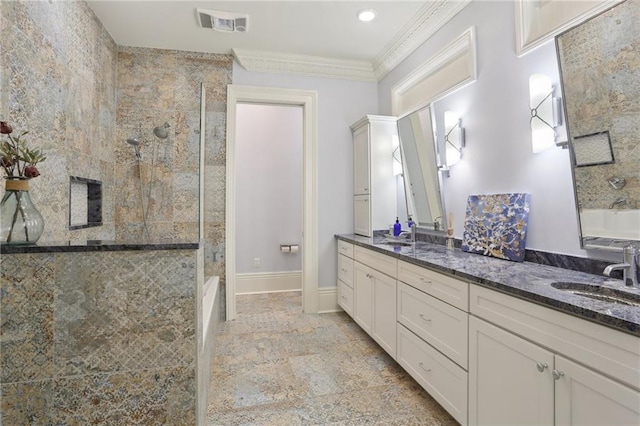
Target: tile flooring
[274, 365]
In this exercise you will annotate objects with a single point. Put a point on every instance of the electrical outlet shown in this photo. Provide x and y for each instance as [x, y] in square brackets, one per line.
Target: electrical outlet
[256, 262]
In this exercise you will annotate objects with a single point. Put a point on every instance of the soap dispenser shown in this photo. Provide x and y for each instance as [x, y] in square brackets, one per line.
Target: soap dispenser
[397, 228]
[410, 222]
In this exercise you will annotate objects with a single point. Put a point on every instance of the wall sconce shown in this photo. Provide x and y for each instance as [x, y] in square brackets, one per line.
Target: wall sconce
[545, 113]
[453, 138]
[397, 155]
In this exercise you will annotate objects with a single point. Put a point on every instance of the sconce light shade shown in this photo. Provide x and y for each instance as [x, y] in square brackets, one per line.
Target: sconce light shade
[543, 122]
[453, 138]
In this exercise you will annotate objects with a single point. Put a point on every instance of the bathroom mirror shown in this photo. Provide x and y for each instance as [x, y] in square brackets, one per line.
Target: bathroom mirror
[422, 179]
[599, 62]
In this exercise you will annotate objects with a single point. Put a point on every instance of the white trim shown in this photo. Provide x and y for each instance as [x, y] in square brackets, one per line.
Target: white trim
[314, 66]
[429, 19]
[328, 300]
[308, 99]
[268, 282]
[551, 18]
[458, 58]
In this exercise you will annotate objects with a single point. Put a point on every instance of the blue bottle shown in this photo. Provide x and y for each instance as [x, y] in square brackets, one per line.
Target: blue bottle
[410, 222]
[397, 228]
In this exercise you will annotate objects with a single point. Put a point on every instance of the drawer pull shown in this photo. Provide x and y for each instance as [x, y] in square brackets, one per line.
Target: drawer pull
[428, 370]
[343, 298]
[425, 280]
[541, 366]
[343, 270]
[557, 374]
[369, 276]
[424, 318]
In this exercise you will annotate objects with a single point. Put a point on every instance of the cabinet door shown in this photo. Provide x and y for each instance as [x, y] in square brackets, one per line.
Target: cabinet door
[362, 215]
[584, 397]
[363, 296]
[361, 161]
[506, 386]
[384, 312]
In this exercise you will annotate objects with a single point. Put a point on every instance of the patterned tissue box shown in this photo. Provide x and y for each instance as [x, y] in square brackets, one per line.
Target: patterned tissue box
[496, 225]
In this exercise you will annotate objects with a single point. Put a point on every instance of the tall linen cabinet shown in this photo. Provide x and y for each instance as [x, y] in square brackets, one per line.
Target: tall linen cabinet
[374, 184]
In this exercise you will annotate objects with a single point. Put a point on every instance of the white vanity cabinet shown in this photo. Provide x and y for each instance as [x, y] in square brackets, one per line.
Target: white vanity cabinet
[526, 369]
[433, 334]
[345, 276]
[375, 296]
[374, 184]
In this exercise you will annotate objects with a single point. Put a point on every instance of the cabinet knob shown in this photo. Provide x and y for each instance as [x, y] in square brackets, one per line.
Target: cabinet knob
[428, 370]
[541, 366]
[557, 374]
[343, 298]
[425, 280]
[343, 270]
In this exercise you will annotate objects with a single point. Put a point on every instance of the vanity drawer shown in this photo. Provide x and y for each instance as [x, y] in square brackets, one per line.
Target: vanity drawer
[378, 261]
[345, 297]
[445, 381]
[439, 324]
[445, 288]
[345, 270]
[345, 248]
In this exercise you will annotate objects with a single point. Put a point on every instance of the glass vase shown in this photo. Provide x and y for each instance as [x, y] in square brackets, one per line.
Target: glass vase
[20, 221]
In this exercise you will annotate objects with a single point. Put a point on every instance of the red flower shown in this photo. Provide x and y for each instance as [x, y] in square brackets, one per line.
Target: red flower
[5, 128]
[31, 171]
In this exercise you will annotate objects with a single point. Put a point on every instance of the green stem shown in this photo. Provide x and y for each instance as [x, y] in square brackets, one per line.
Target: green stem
[24, 218]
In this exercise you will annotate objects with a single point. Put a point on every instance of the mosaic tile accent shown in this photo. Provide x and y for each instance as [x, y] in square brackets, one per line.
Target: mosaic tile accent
[496, 225]
[100, 337]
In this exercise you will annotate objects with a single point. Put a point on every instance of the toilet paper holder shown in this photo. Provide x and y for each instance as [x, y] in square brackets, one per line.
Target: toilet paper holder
[289, 248]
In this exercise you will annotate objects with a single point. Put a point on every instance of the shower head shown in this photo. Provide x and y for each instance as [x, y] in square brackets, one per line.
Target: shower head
[133, 142]
[162, 132]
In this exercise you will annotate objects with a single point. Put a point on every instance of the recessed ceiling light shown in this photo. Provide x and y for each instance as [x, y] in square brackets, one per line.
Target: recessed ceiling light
[366, 15]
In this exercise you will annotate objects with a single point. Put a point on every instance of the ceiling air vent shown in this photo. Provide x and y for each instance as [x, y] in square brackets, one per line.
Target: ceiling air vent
[223, 21]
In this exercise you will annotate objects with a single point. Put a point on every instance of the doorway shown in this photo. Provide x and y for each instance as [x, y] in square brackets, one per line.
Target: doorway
[275, 96]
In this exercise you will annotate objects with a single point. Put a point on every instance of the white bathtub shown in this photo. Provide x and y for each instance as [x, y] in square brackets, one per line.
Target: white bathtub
[611, 223]
[209, 295]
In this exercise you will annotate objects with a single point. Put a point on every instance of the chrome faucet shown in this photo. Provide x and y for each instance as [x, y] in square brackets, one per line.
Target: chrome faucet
[629, 266]
[620, 201]
[411, 233]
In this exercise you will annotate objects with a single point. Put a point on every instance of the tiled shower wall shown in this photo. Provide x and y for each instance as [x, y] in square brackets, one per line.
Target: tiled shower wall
[83, 347]
[158, 86]
[64, 79]
[57, 80]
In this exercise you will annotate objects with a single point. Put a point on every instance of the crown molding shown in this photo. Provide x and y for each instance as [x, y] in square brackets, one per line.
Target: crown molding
[315, 66]
[431, 17]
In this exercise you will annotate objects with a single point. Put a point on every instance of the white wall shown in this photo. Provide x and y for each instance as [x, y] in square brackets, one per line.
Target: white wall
[268, 187]
[340, 104]
[495, 113]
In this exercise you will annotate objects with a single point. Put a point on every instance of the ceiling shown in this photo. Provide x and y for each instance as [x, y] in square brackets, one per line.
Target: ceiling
[328, 29]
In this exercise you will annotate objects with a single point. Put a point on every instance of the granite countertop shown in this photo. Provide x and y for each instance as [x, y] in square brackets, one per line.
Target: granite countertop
[526, 280]
[97, 245]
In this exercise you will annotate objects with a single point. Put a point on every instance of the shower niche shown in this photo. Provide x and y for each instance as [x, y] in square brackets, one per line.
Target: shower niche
[85, 203]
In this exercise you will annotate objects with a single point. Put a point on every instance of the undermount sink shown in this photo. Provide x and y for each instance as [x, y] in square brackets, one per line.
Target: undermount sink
[598, 292]
[396, 243]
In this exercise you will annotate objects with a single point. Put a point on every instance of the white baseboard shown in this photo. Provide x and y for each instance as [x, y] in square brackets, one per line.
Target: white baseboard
[328, 300]
[268, 282]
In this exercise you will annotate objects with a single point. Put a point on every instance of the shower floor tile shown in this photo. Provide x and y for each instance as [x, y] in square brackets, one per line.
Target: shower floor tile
[274, 365]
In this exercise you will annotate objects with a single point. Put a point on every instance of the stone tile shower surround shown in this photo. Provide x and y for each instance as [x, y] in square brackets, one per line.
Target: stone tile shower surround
[157, 86]
[81, 96]
[81, 346]
[58, 81]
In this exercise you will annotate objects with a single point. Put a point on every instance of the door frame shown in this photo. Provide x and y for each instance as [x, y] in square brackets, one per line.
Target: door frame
[308, 99]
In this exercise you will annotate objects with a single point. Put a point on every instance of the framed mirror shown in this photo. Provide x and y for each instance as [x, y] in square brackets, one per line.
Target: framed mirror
[422, 179]
[599, 62]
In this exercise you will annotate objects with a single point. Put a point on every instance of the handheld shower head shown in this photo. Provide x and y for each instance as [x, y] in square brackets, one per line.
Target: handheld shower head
[133, 141]
[162, 132]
